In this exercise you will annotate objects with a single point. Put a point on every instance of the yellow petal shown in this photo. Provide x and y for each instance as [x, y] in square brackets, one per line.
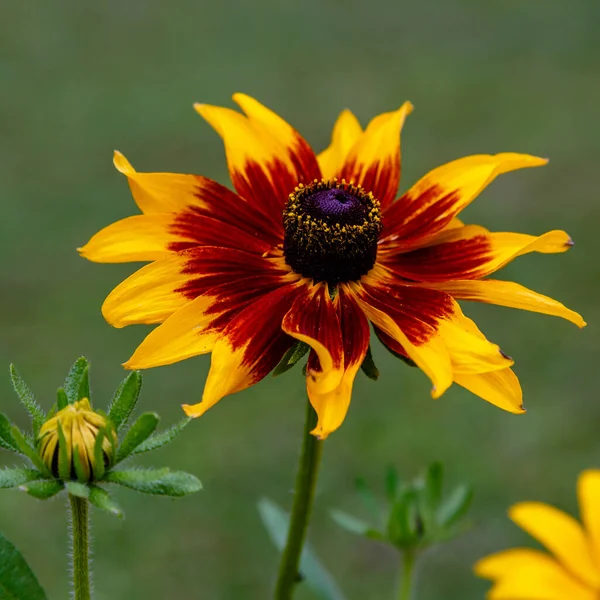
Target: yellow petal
[142, 237]
[500, 388]
[523, 574]
[507, 293]
[346, 132]
[159, 192]
[561, 534]
[588, 491]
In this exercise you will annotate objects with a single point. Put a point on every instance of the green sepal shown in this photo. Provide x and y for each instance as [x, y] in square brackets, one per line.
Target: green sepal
[99, 468]
[125, 399]
[29, 451]
[64, 465]
[17, 580]
[405, 528]
[61, 399]
[84, 385]
[74, 381]
[455, 506]
[10, 478]
[28, 400]
[75, 488]
[316, 576]
[392, 483]
[43, 489]
[80, 473]
[368, 366]
[138, 433]
[433, 483]
[7, 441]
[161, 482]
[101, 499]
[404, 359]
[291, 357]
[157, 440]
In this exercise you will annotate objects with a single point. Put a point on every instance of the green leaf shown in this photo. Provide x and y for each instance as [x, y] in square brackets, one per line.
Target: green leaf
[433, 484]
[404, 527]
[15, 477]
[28, 399]
[101, 499]
[316, 576]
[77, 489]
[17, 581]
[125, 399]
[139, 432]
[350, 523]
[455, 506]
[368, 366]
[82, 475]
[7, 441]
[367, 497]
[391, 483]
[84, 385]
[157, 440]
[99, 468]
[43, 489]
[162, 482]
[29, 451]
[75, 379]
[291, 357]
[61, 399]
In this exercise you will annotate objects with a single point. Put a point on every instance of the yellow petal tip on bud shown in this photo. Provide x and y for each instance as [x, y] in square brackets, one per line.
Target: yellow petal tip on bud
[77, 427]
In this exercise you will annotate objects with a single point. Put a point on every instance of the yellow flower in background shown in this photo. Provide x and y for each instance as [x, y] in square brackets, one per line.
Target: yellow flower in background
[571, 571]
[313, 248]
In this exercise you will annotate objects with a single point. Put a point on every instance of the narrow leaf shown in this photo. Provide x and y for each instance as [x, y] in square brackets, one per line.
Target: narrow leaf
[101, 499]
[162, 482]
[368, 366]
[17, 581]
[73, 381]
[77, 489]
[28, 399]
[139, 432]
[99, 468]
[43, 489]
[7, 441]
[29, 451]
[316, 576]
[291, 357]
[157, 440]
[81, 470]
[433, 484]
[84, 384]
[125, 399]
[61, 399]
[391, 483]
[350, 523]
[15, 477]
[455, 506]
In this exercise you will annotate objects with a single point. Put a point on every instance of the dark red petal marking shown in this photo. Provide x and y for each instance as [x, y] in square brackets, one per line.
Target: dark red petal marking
[355, 329]
[414, 216]
[381, 178]
[417, 311]
[460, 259]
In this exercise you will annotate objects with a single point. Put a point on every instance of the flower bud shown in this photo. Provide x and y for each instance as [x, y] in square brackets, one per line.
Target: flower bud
[80, 426]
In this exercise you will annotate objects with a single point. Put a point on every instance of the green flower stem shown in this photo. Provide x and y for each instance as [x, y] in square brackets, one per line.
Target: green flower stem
[408, 569]
[303, 500]
[80, 544]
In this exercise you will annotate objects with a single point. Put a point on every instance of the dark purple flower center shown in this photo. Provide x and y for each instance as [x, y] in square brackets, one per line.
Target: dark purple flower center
[331, 231]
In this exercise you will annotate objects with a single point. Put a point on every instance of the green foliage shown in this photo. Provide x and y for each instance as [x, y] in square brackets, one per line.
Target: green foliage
[138, 433]
[99, 468]
[157, 440]
[77, 381]
[28, 400]
[101, 499]
[75, 488]
[10, 478]
[125, 400]
[61, 399]
[314, 573]
[64, 465]
[43, 489]
[29, 451]
[161, 482]
[17, 581]
[7, 441]
[368, 366]
[291, 357]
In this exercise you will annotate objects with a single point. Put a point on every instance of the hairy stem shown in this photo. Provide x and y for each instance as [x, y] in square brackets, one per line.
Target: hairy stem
[80, 544]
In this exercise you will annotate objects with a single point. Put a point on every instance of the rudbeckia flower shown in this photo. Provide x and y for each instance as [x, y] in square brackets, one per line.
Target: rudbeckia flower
[571, 572]
[312, 248]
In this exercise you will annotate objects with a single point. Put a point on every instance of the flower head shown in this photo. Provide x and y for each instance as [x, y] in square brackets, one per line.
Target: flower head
[571, 571]
[76, 427]
[311, 248]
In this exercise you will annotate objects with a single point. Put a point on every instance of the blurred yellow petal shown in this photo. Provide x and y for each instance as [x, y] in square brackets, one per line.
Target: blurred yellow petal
[561, 534]
[346, 132]
[500, 388]
[588, 492]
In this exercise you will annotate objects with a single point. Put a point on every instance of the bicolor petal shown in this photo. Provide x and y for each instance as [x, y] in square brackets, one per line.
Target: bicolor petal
[374, 160]
[346, 132]
[444, 192]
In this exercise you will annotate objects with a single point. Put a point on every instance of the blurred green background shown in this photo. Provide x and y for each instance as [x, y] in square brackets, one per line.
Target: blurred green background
[81, 79]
